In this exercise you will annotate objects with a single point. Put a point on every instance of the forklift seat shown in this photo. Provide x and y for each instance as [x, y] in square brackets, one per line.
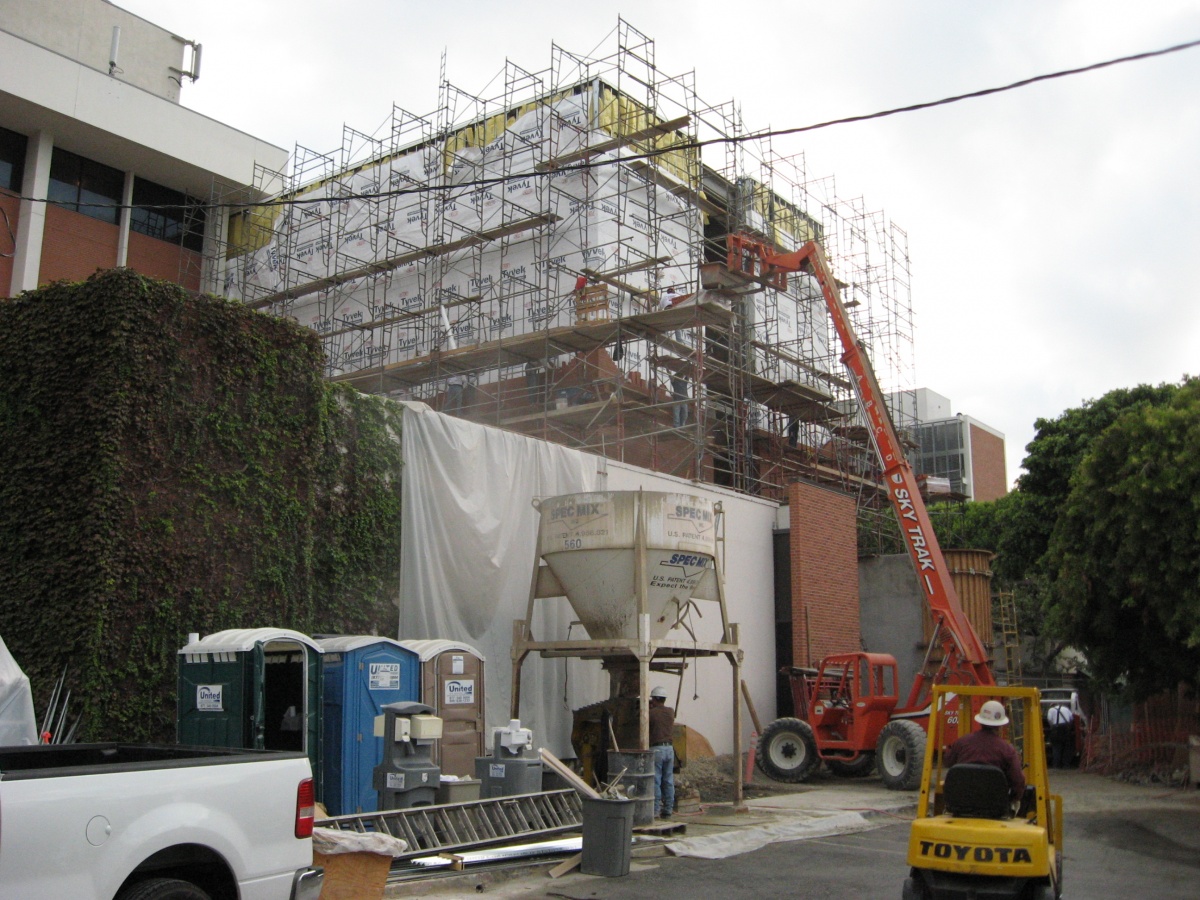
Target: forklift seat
[976, 791]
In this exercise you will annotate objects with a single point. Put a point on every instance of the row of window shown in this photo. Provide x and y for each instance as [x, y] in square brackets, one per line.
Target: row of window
[95, 190]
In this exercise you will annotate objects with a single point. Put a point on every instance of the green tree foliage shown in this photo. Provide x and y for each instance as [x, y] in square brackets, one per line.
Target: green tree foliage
[1125, 552]
[1053, 456]
[1019, 527]
[172, 464]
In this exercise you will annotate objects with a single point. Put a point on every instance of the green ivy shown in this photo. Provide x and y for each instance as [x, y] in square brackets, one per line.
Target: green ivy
[172, 464]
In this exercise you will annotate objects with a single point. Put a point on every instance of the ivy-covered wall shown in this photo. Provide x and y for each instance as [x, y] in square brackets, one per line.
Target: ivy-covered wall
[172, 464]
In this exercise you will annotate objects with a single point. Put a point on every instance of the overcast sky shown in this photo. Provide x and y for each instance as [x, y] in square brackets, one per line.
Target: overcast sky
[1054, 231]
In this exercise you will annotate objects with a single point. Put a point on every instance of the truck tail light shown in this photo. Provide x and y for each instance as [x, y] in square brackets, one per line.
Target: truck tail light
[305, 808]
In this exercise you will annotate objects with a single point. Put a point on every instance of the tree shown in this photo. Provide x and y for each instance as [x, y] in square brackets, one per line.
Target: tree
[1052, 457]
[1019, 526]
[1124, 555]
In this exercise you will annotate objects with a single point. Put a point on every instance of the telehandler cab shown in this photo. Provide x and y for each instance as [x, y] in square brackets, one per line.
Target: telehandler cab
[967, 840]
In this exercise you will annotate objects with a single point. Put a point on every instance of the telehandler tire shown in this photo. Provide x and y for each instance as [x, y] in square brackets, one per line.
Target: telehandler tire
[787, 750]
[900, 755]
[864, 765]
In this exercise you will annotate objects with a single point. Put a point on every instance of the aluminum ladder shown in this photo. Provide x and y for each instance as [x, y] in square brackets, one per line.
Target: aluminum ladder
[431, 830]
[1006, 608]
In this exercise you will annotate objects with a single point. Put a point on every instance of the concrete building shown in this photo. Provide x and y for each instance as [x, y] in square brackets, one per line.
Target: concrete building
[100, 165]
[957, 447]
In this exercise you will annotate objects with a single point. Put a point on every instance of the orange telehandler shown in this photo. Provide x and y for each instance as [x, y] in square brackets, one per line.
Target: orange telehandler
[847, 709]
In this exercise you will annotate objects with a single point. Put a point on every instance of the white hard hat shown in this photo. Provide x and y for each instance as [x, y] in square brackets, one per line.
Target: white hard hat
[659, 693]
[992, 714]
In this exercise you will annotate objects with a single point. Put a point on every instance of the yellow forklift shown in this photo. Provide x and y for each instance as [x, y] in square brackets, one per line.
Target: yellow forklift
[968, 840]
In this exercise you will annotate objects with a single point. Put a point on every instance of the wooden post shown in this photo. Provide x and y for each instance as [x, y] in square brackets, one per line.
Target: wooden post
[750, 706]
[736, 659]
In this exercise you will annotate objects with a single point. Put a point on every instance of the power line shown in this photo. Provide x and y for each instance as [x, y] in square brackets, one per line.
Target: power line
[676, 148]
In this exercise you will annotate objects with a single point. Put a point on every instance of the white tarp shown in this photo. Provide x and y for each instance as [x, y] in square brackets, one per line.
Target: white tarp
[467, 556]
[18, 725]
[736, 841]
[468, 545]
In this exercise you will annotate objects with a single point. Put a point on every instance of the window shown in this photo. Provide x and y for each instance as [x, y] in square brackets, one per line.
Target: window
[85, 186]
[167, 215]
[12, 159]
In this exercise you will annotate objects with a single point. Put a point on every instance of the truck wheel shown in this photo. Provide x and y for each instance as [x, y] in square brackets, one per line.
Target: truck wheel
[860, 767]
[163, 889]
[914, 888]
[900, 755]
[787, 750]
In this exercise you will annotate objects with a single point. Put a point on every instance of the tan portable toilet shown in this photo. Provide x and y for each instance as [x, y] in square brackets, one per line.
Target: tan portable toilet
[452, 683]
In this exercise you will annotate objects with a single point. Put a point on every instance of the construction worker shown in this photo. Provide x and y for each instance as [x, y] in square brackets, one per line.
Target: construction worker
[1061, 725]
[662, 727]
[986, 747]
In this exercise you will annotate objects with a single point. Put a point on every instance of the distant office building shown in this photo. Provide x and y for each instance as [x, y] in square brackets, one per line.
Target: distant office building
[99, 164]
[963, 450]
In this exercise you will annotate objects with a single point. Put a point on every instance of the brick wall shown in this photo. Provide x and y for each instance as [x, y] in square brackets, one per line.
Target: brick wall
[824, 553]
[988, 476]
[158, 259]
[11, 207]
[75, 246]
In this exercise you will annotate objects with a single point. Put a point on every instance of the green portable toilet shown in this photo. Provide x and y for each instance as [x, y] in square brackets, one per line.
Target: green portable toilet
[256, 688]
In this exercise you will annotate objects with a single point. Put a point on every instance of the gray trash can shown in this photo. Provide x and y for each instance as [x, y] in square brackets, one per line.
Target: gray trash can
[638, 781]
[607, 836]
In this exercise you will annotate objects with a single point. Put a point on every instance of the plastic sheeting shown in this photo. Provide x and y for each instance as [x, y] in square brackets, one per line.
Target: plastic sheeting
[334, 841]
[737, 841]
[467, 557]
[18, 724]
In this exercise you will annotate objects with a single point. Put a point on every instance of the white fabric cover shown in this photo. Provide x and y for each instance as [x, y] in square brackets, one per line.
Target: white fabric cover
[467, 556]
[18, 725]
[334, 842]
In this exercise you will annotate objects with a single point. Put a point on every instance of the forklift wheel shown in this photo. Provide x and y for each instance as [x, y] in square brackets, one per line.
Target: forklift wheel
[914, 888]
[787, 750]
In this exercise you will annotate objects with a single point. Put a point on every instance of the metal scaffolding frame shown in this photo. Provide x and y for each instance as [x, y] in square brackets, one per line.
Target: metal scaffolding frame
[549, 260]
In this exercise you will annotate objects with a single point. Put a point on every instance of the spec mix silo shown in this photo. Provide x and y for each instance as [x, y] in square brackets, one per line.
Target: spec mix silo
[621, 554]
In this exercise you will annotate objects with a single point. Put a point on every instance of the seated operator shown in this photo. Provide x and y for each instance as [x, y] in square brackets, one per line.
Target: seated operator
[988, 748]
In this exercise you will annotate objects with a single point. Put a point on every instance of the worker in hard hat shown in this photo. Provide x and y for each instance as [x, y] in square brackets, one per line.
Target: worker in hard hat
[986, 747]
[662, 726]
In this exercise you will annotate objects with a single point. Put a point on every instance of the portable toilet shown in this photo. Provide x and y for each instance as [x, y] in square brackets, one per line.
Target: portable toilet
[362, 674]
[452, 683]
[256, 688]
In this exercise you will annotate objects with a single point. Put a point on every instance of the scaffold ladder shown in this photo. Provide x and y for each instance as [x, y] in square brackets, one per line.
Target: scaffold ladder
[430, 830]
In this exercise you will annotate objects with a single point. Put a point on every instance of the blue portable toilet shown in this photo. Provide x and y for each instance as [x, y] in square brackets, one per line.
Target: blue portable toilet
[362, 673]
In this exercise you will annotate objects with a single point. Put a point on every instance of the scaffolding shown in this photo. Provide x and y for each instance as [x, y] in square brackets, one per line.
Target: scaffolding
[549, 259]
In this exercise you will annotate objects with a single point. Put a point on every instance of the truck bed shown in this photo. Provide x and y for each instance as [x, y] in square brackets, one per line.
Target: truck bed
[61, 760]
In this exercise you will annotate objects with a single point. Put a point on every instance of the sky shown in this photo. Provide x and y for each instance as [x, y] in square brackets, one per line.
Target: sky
[1053, 231]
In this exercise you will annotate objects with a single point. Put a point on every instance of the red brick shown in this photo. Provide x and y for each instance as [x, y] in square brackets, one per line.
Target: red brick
[824, 555]
[75, 246]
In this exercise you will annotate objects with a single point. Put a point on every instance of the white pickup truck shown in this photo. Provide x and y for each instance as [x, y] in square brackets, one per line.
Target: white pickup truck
[135, 822]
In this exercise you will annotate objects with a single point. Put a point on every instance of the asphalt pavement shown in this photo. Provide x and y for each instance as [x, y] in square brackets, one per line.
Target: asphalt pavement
[848, 838]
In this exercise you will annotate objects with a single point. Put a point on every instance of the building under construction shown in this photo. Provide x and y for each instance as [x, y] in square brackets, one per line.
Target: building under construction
[552, 260]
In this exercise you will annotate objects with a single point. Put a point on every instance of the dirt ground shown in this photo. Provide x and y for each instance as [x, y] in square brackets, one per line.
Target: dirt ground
[711, 780]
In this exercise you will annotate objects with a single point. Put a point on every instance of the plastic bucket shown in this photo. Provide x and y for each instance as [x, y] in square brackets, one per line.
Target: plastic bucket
[607, 836]
[638, 781]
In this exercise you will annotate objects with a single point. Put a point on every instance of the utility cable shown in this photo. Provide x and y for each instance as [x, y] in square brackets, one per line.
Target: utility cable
[674, 148]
